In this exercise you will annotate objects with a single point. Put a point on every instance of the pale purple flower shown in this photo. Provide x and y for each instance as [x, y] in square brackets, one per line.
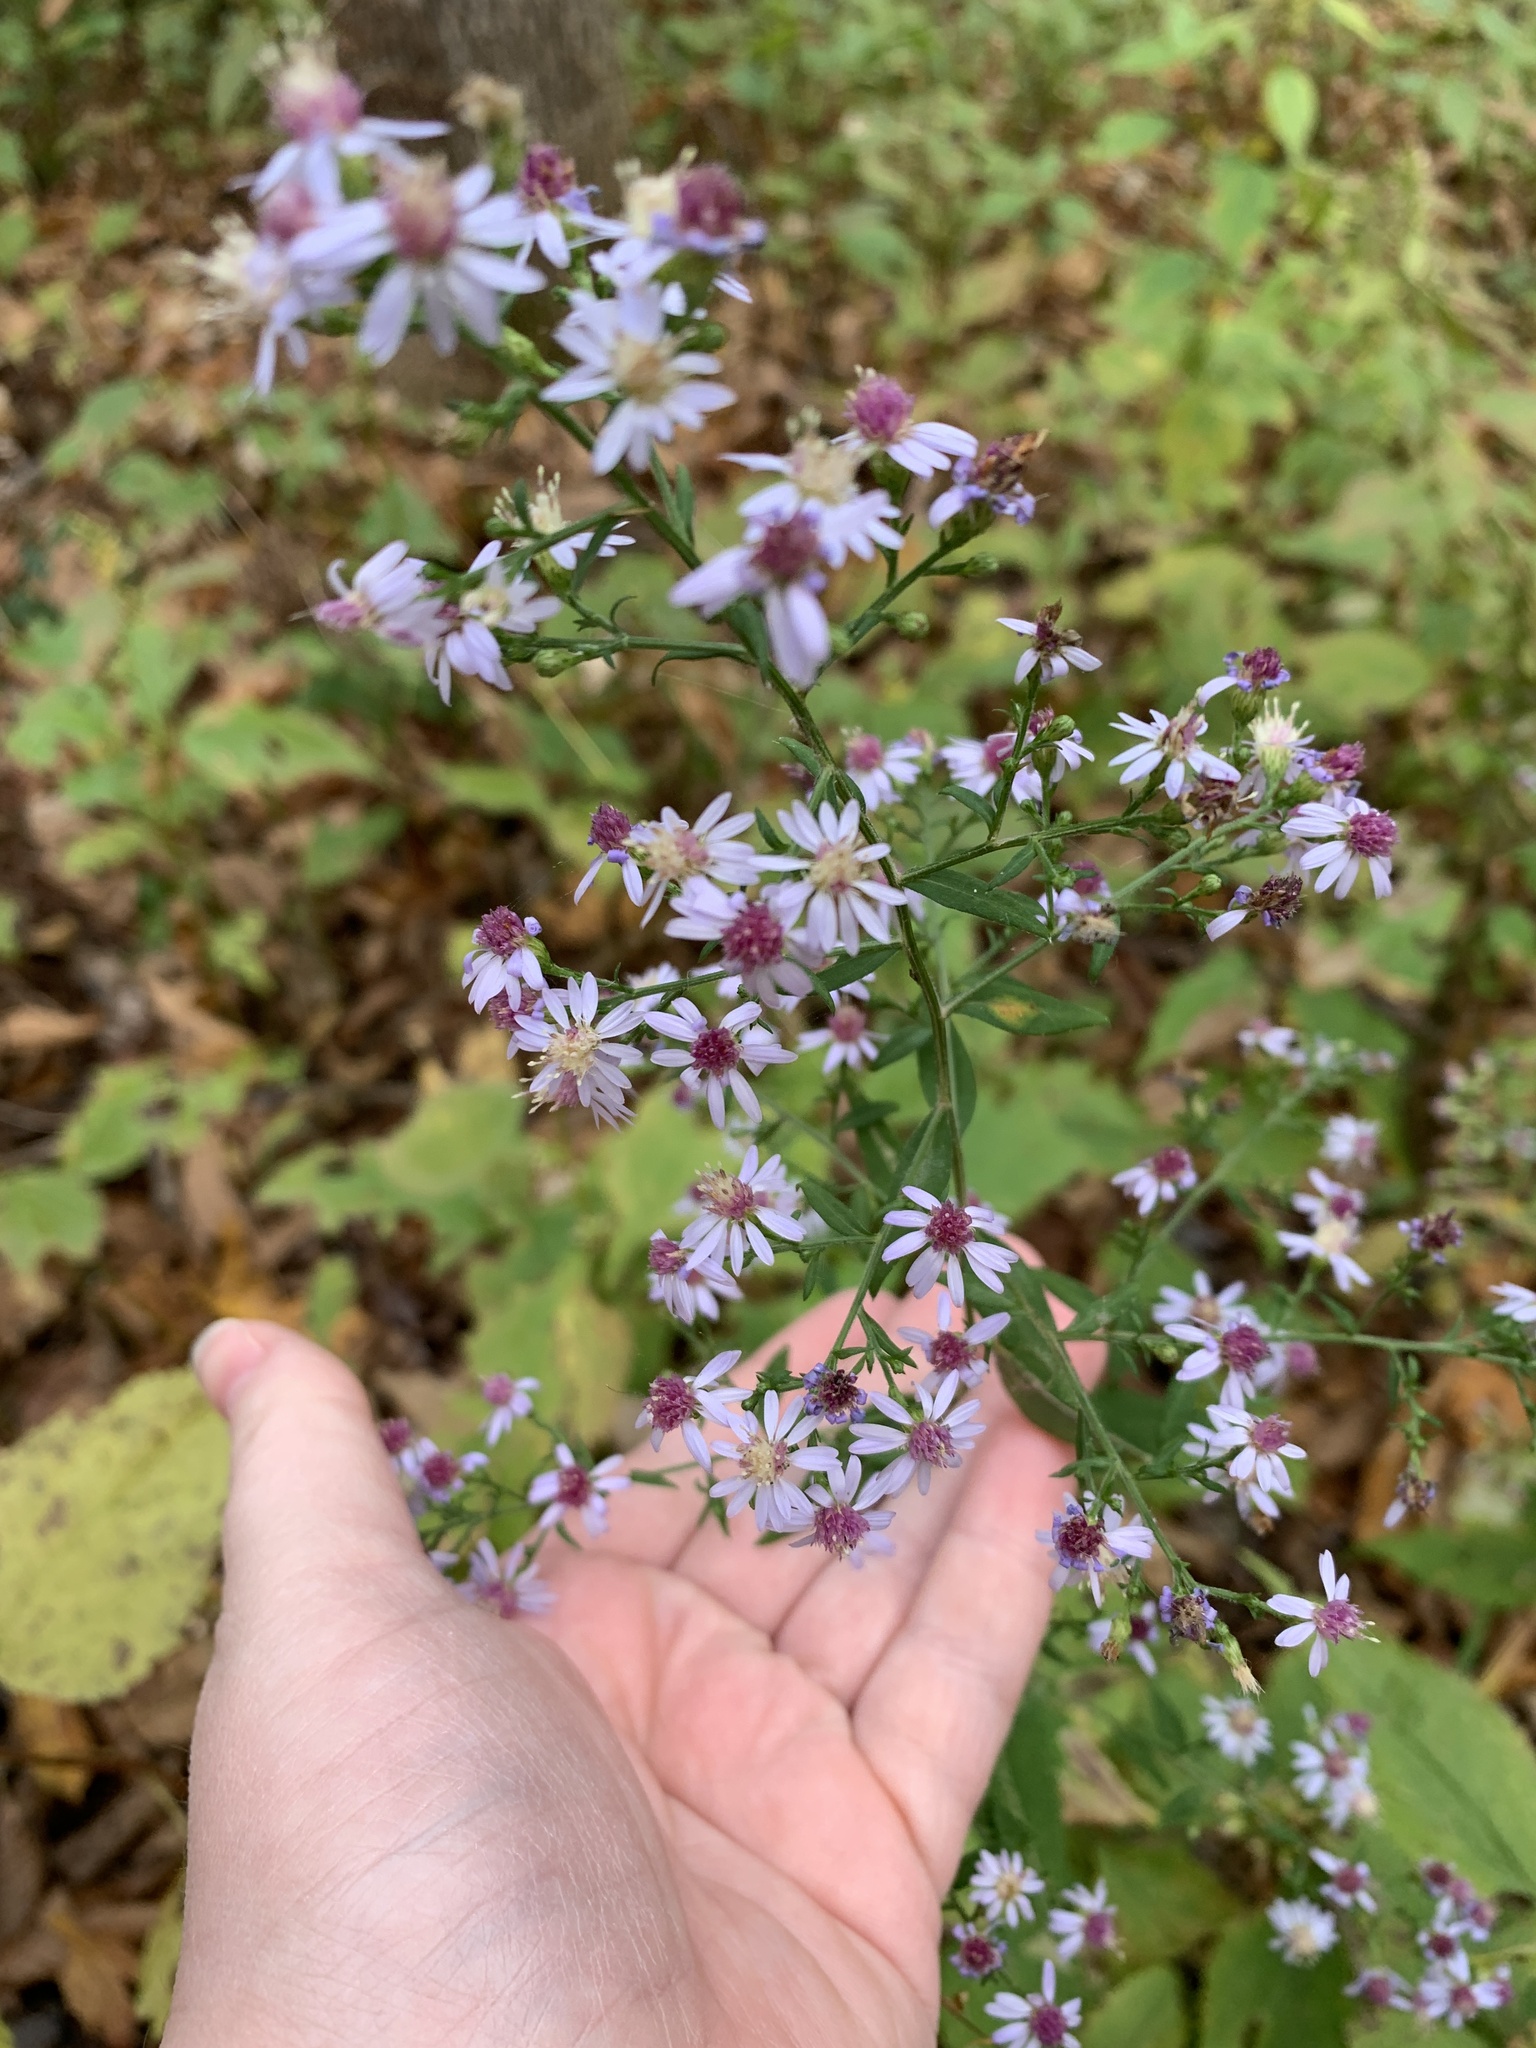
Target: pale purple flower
[507, 1581]
[1342, 766]
[942, 1234]
[508, 1399]
[1199, 1304]
[976, 764]
[578, 1059]
[1086, 1922]
[976, 1952]
[833, 1393]
[839, 888]
[1303, 1932]
[879, 415]
[1259, 669]
[1348, 833]
[1515, 1302]
[1189, 1616]
[1170, 747]
[321, 111]
[819, 476]
[767, 1450]
[389, 596]
[1412, 1495]
[443, 234]
[878, 768]
[1433, 1236]
[839, 1515]
[1334, 1619]
[938, 1434]
[395, 1434]
[1276, 899]
[717, 1057]
[686, 1285]
[436, 1475]
[992, 481]
[732, 1209]
[1382, 1988]
[253, 279]
[781, 561]
[962, 1351]
[468, 645]
[1261, 1444]
[552, 208]
[1334, 1211]
[697, 208]
[1003, 1886]
[1054, 648]
[1351, 1141]
[675, 851]
[1241, 1349]
[1349, 1884]
[500, 959]
[1275, 1041]
[1093, 1542]
[573, 1488]
[1237, 1728]
[758, 940]
[1161, 1177]
[623, 350]
[1442, 1941]
[1335, 1774]
[1144, 1634]
[610, 833]
[546, 515]
[1036, 2020]
[684, 1401]
[1441, 1996]
[846, 1034]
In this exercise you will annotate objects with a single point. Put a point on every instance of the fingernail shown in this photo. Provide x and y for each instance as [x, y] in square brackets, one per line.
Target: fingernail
[224, 1354]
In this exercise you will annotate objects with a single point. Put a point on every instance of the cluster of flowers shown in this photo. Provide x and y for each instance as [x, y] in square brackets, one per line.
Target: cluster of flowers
[1002, 1889]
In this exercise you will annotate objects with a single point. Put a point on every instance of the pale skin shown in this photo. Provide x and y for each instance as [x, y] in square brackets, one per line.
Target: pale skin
[712, 1800]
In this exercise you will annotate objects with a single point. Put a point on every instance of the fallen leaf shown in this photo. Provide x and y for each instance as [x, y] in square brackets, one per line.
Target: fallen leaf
[48, 1729]
[200, 1039]
[95, 1977]
[210, 1201]
[34, 1027]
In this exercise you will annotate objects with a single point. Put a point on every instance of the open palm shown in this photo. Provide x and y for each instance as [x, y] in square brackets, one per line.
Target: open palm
[715, 1796]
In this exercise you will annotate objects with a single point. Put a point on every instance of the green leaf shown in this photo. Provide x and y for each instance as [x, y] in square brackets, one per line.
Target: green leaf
[1487, 1567]
[171, 500]
[1355, 674]
[959, 891]
[1510, 409]
[452, 1138]
[1145, 2010]
[1254, 2000]
[1242, 204]
[1127, 134]
[18, 231]
[69, 717]
[399, 513]
[1024, 1798]
[336, 853]
[157, 662]
[641, 1171]
[110, 846]
[157, 1964]
[125, 1116]
[47, 1209]
[233, 71]
[1291, 109]
[1041, 1123]
[1205, 1005]
[484, 786]
[105, 422]
[10, 929]
[245, 747]
[1031, 1013]
[853, 967]
[107, 1534]
[113, 226]
[1169, 1902]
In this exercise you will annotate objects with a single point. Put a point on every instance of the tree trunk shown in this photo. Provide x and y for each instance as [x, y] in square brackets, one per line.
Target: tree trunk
[411, 56]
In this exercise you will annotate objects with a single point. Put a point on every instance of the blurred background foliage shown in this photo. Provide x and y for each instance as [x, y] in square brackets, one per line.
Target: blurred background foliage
[1265, 273]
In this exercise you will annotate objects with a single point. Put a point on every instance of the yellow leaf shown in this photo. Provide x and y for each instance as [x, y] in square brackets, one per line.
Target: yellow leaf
[107, 1532]
[51, 1733]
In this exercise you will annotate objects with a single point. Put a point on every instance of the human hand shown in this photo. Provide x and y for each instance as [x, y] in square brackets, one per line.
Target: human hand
[715, 1796]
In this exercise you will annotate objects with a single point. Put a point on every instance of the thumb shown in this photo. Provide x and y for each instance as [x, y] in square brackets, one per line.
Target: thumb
[313, 1498]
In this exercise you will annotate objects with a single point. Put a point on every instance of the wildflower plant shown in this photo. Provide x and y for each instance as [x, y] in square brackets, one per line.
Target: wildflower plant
[853, 923]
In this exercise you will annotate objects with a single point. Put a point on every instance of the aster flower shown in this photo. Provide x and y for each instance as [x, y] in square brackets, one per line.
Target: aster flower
[1144, 1633]
[1086, 1922]
[1335, 1214]
[1002, 1885]
[942, 1233]
[443, 234]
[820, 476]
[1054, 648]
[623, 350]
[578, 1058]
[1334, 1619]
[676, 851]
[1237, 1729]
[1303, 1932]
[1412, 1495]
[1259, 669]
[839, 1515]
[1277, 900]
[1241, 1349]
[1516, 1303]
[684, 1401]
[1351, 1141]
[734, 1209]
[837, 890]
[1092, 1543]
[1340, 766]
[1281, 743]
[767, 1449]
[468, 644]
[962, 1351]
[1036, 2020]
[507, 1399]
[991, 482]
[1349, 1884]
[1199, 1304]
[1275, 1041]
[1170, 747]
[389, 596]
[1347, 834]
[691, 208]
[507, 1581]
[1440, 1996]
[846, 1034]
[976, 1952]
[833, 1393]
[573, 1488]
[610, 833]
[1433, 1236]
[253, 279]
[780, 561]
[1381, 1988]
[542, 513]
[1189, 1616]
[435, 1475]
[1064, 753]
[684, 1284]
[757, 938]
[500, 959]
[1335, 1774]
[939, 1434]
[395, 1434]
[878, 768]
[1262, 1444]
[552, 207]
[1161, 1177]
[1441, 1943]
[879, 416]
[714, 1057]
[320, 109]
[1082, 908]
[976, 764]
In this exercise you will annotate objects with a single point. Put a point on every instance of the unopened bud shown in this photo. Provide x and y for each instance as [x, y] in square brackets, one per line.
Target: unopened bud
[521, 354]
[708, 335]
[1061, 727]
[554, 661]
[1224, 1640]
[1210, 881]
[1165, 1350]
[975, 567]
[889, 474]
[911, 625]
[1119, 1635]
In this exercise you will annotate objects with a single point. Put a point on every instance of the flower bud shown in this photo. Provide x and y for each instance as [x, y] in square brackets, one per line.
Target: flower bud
[521, 355]
[1119, 1635]
[910, 625]
[554, 661]
[889, 475]
[709, 335]
[1060, 728]
[975, 567]
[1210, 881]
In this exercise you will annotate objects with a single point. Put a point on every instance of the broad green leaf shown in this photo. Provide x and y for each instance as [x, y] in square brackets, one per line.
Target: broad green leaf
[957, 890]
[269, 747]
[484, 786]
[1487, 1567]
[398, 512]
[1224, 989]
[105, 422]
[1169, 1902]
[74, 717]
[336, 853]
[1291, 108]
[1024, 1798]
[455, 1140]
[47, 1209]
[113, 226]
[108, 1529]
[1145, 2010]
[157, 662]
[1242, 204]
[1031, 1012]
[127, 1113]
[109, 846]
[1254, 2000]
[18, 231]
[1351, 675]
[556, 1329]
[171, 500]
[1510, 409]
[641, 1172]
[854, 967]
[1038, 1125]
[1126, 134]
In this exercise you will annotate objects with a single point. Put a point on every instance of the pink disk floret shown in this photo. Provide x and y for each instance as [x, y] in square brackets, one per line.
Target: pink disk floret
[878, 408]
[547, 176]
[785, 549]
